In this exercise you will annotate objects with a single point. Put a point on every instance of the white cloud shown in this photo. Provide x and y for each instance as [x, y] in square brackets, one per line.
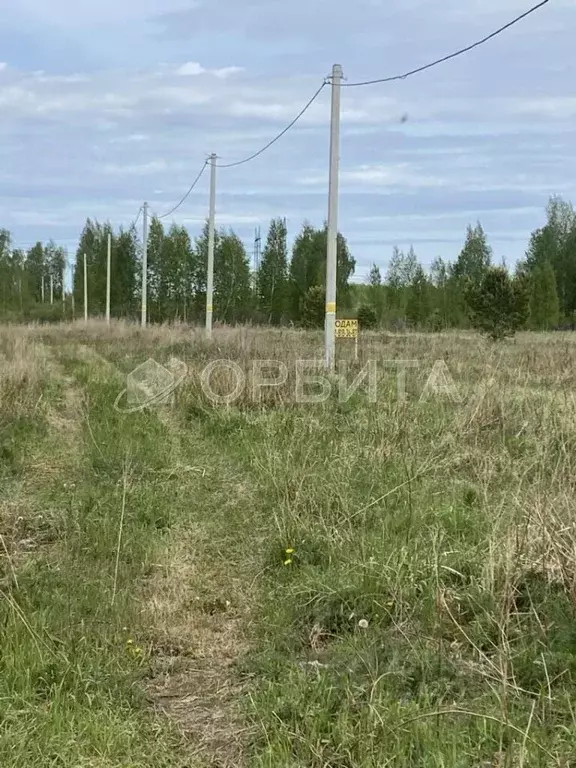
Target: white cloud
[3, 65]
[145, 169]
[225, 72]
[561, 107]
[399, 175]
[191, 68]
[130, 139]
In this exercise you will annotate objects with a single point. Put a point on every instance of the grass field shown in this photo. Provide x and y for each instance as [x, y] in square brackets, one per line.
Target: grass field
[383, 579]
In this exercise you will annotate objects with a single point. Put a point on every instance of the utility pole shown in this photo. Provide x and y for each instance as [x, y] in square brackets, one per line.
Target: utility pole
[64, 286]
[331, 254]
[108, 265]
[211, 219]
[85, 291]
[144, 262]
[72, 291]
[51, 289]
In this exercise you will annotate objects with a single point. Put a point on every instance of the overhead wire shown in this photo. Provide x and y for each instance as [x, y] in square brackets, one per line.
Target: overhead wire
[137, 219]
[282, 133]
[185, 197]
[327, 80]
[451, 55]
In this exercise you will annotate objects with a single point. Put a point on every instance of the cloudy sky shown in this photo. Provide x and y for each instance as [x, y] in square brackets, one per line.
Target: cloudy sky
[106, 104]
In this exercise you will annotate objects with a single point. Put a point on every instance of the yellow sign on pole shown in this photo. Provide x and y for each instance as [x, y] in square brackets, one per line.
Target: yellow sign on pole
[347, 329]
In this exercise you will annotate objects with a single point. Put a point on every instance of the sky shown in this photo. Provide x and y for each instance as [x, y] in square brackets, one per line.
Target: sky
[104, 105]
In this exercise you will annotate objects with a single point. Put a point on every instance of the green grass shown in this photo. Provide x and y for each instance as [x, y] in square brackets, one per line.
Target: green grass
[426, 617]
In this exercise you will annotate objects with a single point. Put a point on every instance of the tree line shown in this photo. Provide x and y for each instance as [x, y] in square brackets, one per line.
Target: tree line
[441, 297]
[288, 286]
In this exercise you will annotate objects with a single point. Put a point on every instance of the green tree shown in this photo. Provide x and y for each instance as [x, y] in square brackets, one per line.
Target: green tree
[35, 271]
[475, 257]
[156, 288]
[419, 306]
[402, 270]
[304, 268]
[124, 274]
[498, 304]
[8, 276]
[171, 271]
[544, 305]
[54, 259]
[199, 270]
[272, 277]
[308, 267]
[233, 300]
[439, 279]
[555, 243]
[94, 244]
[314, 307]
[367, 317]
[376, 293]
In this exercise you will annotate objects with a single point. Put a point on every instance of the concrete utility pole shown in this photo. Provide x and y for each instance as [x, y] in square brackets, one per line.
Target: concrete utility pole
[331, 254]
[108, 265]
[72, 291]
[211, 219]
[51, 289]
[85, 291]
[144, 263]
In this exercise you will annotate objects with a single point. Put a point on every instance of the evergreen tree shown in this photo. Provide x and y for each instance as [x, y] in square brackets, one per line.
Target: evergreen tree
[272, 277]
[367, 317]
[314, 307]
[418, 307]
[376, 293]
[544, 305]
[439, 279]
[498, 305]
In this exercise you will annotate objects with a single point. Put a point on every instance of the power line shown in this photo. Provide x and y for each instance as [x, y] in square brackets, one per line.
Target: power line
[137, 216]
[282, 133]
[451, 55]
[196, 180]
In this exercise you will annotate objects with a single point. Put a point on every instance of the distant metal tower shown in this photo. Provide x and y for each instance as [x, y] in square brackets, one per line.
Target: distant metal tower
[257, 249]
